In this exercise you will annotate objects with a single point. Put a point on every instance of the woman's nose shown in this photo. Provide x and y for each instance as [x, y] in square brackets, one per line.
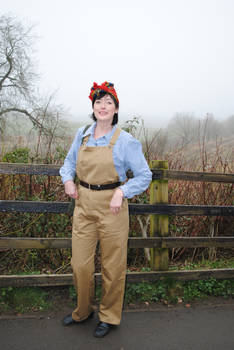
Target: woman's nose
[103, 105]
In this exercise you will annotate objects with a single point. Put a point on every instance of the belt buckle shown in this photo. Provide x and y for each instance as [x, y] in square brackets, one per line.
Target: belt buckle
[99, 187]
[89, 186]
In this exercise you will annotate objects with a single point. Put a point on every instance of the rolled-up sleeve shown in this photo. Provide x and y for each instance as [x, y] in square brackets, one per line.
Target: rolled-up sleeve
[136, 162]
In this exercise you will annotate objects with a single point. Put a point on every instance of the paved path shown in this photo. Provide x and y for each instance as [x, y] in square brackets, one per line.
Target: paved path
[200, 327]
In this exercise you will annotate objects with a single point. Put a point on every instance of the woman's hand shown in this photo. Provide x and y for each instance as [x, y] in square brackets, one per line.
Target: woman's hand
[71, 189]
[116, 201]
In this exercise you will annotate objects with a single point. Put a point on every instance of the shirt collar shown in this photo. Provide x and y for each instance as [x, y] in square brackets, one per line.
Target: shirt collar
[91, 129]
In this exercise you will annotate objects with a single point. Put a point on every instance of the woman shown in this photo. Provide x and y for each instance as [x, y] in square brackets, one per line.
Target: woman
[100, 156]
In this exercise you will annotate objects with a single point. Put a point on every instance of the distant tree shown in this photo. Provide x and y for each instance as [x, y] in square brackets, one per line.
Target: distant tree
[183, 127]
[228, 126]
[186, 129]
[211, 128]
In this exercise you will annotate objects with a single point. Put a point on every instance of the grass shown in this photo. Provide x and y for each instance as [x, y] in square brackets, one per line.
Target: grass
[34, 299]
[23, 300]
[172, 291]
[31, 299]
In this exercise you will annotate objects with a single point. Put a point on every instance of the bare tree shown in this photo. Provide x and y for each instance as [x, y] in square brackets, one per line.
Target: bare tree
[19, 95]
[229, 126]
[211, 128]
[183, 127]
[52, 125]
[17, 71]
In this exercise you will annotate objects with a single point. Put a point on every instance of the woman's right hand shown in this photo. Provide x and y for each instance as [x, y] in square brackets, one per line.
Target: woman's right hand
[71, 189]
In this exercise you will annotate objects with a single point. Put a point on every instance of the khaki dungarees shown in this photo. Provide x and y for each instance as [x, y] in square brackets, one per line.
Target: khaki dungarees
[93, 221]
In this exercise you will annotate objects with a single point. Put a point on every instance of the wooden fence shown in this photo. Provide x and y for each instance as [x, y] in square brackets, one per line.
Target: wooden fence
[159, 242]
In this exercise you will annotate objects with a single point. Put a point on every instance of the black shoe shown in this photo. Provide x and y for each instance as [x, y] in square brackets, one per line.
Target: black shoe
[68, 320]
[102, 329]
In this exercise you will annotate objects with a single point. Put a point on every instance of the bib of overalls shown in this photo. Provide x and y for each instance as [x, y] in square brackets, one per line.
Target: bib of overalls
[95, 164]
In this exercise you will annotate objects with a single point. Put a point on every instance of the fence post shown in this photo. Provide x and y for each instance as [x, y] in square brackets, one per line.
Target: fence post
[159, 223]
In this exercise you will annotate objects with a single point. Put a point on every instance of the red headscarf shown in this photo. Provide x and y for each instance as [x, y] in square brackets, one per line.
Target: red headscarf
[108, 87]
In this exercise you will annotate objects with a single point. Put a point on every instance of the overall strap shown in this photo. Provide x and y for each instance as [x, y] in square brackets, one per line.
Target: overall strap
[85, 138]
[115, 137]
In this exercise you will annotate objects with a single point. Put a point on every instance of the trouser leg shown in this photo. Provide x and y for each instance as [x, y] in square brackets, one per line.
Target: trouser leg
[113, 245]
[84, 241]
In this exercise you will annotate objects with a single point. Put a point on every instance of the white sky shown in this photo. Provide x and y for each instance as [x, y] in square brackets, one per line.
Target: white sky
[164, 56]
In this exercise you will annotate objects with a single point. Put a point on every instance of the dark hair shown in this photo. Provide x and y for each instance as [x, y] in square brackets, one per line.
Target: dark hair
[101, 94]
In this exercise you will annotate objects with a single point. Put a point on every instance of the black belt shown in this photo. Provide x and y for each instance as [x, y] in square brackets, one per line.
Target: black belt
[100, 187]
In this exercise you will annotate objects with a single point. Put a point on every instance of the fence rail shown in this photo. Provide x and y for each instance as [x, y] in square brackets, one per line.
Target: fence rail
[159, 209]
[134, 209]
[158, 174]
[133, 242]
[44, 280]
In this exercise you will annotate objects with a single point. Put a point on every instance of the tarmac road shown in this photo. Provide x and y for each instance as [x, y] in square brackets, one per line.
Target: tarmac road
[200, 327]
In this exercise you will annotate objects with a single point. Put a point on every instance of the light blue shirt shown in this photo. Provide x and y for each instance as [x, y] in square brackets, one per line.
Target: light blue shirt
[127, 155]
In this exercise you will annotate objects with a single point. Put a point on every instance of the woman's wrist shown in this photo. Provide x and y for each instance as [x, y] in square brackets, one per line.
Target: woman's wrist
[68, 181]
[120, 192]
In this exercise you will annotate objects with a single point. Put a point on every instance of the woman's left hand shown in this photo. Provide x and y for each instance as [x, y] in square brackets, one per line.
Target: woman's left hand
[116, 201]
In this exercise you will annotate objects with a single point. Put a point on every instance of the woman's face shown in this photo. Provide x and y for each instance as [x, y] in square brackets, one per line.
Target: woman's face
[104, 109]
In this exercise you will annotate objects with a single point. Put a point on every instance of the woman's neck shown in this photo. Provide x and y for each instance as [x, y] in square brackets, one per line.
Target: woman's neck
[102, 128]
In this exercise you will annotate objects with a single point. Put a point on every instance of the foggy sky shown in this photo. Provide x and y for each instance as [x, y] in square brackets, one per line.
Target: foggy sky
[164, 56]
